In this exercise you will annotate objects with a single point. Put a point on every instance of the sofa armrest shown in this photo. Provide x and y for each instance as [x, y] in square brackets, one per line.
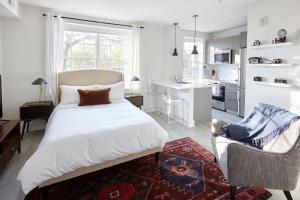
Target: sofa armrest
[248, 166]
[216, 126]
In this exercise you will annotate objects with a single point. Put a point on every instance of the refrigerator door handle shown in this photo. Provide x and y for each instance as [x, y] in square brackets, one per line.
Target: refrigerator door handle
[239, 99]
[239, 76]
[238, 94]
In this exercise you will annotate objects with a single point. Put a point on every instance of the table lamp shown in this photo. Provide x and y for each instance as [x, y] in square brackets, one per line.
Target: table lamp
[133, 79]
[40, 82]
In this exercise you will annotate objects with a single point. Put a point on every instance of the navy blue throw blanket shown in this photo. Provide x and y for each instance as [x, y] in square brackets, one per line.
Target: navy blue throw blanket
[260, 126]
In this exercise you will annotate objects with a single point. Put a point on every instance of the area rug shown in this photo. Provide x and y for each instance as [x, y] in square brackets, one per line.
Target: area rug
[186, 171]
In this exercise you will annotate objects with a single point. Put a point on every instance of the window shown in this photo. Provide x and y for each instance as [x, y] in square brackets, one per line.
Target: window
[98, 47]
[192, 64]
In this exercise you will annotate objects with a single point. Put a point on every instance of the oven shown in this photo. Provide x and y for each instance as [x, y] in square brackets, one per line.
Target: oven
[218, 96]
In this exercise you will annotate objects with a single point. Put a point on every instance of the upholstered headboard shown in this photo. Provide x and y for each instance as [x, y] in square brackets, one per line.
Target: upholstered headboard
[87, 77]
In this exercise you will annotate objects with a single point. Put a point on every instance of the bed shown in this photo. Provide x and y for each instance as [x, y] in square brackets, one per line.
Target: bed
[83, 139]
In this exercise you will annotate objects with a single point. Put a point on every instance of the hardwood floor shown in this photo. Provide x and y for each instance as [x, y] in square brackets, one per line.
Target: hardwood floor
[10, 189]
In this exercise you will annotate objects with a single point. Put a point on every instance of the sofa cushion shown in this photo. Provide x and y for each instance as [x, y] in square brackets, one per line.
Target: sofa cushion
[283, 143]
[220, 145]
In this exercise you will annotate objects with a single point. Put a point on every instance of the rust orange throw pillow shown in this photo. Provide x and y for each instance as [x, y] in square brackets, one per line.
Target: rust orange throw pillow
[94, 97]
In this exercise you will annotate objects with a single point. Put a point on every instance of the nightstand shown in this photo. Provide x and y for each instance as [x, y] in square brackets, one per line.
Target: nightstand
[35, 110]
[135, 99]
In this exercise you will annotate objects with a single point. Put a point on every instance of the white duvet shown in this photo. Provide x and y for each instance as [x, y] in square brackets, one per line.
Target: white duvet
[78, 137]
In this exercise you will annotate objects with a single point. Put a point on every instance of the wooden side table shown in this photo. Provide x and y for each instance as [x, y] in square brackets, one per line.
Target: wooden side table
[135, 99]
[34, 110]
[9, 141]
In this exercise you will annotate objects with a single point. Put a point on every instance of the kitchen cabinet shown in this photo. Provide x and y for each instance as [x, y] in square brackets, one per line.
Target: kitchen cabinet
[231, 98]
[233, 42]
[196, 104]
[236, 43]
[244, 40]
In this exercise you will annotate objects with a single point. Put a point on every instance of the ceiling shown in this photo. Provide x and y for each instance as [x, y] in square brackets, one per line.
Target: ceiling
[214, 15]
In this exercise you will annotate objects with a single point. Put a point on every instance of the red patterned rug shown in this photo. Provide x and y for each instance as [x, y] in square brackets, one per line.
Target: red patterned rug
[186, 171]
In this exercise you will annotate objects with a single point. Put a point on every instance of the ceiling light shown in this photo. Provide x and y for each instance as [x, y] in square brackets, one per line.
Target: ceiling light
[175, 49]
[195, 52]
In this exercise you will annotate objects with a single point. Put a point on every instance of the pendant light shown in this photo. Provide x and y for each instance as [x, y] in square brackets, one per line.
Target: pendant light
[195, 52]
[175, 49]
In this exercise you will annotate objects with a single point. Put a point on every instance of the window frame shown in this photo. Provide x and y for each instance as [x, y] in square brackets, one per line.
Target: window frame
[200, 40]
[104, 30]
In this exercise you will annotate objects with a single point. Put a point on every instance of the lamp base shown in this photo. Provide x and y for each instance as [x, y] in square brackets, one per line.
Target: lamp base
[41, 91]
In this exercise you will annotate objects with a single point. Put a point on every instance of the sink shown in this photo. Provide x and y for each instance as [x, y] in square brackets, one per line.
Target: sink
[183, 82]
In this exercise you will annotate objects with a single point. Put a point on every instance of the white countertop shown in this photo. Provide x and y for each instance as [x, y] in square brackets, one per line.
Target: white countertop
[180, 86]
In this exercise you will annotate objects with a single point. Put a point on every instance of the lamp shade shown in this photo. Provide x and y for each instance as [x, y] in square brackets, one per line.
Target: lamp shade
[195, 51]
[175, 52]
[135, 78]
[39, 81]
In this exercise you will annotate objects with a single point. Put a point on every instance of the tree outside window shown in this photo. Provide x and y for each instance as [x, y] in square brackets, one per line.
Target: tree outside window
[110, 51]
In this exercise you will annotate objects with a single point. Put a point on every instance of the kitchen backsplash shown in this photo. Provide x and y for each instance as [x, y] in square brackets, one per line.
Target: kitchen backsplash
[225, 72]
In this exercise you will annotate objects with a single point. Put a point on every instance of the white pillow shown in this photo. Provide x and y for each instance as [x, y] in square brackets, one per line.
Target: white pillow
[116, 91]
[70, 95]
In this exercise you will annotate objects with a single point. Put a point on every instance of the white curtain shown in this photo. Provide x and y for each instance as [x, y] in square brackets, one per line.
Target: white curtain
[54, 53]
[135, 71]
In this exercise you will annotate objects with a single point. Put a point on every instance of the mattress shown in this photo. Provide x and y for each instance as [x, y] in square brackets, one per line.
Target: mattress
[82, 136]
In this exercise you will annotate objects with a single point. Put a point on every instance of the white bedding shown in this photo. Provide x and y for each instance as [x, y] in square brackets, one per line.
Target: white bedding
[78, 137]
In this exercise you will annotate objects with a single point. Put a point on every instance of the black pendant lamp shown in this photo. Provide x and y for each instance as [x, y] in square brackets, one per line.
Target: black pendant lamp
[195, 52]
[175, 49]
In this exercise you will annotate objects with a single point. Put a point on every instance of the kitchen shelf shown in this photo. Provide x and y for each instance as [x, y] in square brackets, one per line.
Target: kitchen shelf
[285, 85]
[286, 44]
[273, 65]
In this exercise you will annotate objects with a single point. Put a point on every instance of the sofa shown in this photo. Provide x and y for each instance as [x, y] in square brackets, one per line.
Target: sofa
[276, 166]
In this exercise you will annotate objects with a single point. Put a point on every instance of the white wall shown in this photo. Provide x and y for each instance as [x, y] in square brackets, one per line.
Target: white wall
[275, 10]
[1, 59]
[24, 58]
[152, 59]
[229, 32]
[174, 64]
[7, 10]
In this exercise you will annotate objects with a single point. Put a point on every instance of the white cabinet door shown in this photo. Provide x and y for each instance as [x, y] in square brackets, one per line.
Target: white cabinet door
[231, 98]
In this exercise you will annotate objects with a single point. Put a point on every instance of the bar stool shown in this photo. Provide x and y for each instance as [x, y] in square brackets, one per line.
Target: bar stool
[152, 91]
[172, 101]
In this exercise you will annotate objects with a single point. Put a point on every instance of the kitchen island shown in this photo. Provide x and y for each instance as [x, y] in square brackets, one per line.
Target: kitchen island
[196, 101]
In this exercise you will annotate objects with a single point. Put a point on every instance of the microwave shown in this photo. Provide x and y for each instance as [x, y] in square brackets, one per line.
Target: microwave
[223, 56]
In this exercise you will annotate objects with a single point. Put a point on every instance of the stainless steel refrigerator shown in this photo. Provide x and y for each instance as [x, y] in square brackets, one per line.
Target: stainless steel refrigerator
[242, 82]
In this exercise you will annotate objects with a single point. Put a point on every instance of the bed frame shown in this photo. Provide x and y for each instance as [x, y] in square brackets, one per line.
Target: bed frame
[82, 78]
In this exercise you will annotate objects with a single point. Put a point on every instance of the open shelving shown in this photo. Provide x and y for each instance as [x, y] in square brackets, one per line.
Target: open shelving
[285, 85]
[286, 44]
[273, 65]
[270, 46]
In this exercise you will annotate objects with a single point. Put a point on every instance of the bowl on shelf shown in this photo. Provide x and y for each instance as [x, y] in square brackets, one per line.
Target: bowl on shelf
[257, 78]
